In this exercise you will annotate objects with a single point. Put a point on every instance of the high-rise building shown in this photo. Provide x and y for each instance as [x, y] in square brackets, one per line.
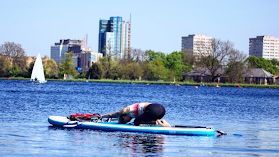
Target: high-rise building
[114, 37]
[264, 46]
[60, 49]
[198, 44]
[87, 57]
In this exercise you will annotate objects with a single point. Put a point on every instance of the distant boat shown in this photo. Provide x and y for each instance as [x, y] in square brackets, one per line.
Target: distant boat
[38, 75]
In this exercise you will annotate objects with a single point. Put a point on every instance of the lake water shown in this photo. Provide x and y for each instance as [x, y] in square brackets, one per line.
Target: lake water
[248, 115]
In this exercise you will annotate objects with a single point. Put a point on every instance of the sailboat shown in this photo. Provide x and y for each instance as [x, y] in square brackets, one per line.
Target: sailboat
[38, 75]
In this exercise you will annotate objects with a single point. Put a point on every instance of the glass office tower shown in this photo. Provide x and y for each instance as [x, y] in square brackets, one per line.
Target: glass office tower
[114, 37]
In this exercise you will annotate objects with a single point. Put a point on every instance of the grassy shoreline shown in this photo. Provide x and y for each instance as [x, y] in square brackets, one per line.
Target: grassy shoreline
[154, 82]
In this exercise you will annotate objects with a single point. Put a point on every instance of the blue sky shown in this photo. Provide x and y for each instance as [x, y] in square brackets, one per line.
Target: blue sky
[156, 24]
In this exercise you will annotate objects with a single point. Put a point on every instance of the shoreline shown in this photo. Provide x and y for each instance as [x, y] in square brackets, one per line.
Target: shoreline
[155, 83]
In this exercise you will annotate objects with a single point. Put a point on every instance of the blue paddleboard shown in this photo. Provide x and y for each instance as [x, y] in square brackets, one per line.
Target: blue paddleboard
[114, 126]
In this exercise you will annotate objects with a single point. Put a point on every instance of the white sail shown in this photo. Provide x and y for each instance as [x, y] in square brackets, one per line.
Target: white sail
[38, 75]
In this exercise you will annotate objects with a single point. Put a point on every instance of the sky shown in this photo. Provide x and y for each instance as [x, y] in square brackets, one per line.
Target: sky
[157, 25]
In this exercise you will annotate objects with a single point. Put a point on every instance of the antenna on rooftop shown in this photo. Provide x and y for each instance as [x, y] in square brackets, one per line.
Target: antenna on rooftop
[86, 39]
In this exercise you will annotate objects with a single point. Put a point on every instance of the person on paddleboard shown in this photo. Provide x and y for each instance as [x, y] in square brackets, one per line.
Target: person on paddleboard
[144, 114]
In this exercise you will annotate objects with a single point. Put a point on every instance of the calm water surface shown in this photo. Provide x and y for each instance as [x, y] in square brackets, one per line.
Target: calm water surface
[248, 115]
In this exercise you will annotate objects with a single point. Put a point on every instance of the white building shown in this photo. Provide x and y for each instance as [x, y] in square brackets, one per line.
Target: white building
[125, 38]
[199, 44]
[264, 46]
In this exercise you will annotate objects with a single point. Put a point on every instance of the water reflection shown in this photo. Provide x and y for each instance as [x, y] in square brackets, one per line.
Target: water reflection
[121, 143]
[128, 144]
[142, 143]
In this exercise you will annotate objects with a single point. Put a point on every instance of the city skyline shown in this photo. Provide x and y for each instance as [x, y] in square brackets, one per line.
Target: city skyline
[156, 25]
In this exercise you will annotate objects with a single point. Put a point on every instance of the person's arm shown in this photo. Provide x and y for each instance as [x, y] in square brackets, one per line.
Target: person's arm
[117, 114]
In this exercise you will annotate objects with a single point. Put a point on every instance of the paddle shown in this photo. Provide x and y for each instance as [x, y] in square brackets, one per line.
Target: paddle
[221, 132]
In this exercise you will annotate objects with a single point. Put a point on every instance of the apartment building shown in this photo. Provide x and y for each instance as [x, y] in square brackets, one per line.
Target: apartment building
[198, 44]
[264, 46]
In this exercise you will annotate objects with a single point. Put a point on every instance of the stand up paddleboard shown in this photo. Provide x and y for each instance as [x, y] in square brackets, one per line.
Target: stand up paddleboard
[60, 121]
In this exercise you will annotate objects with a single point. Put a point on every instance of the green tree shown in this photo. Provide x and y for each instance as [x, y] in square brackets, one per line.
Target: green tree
[148, 71]
[187, 62]
[274, 62]
[152, 55]
[115, 71]
[16, 71]
[173, 60]
[154, 70]
[106, 63]
[51, 69]
[95, 71]
[30, 69]
[259, 62]
[236, 66]
[175, 64]
[190, 58]
[109, 52]
[67, 66]
[131, 71]
[81, 74]
[5, 66]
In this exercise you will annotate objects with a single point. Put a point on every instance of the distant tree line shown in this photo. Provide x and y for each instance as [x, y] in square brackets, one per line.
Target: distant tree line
[139, 64]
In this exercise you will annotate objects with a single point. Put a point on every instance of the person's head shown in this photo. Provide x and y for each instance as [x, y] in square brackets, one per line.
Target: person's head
[123, 119]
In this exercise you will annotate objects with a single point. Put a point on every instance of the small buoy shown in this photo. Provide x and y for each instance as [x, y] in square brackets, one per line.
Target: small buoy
[196, 87]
